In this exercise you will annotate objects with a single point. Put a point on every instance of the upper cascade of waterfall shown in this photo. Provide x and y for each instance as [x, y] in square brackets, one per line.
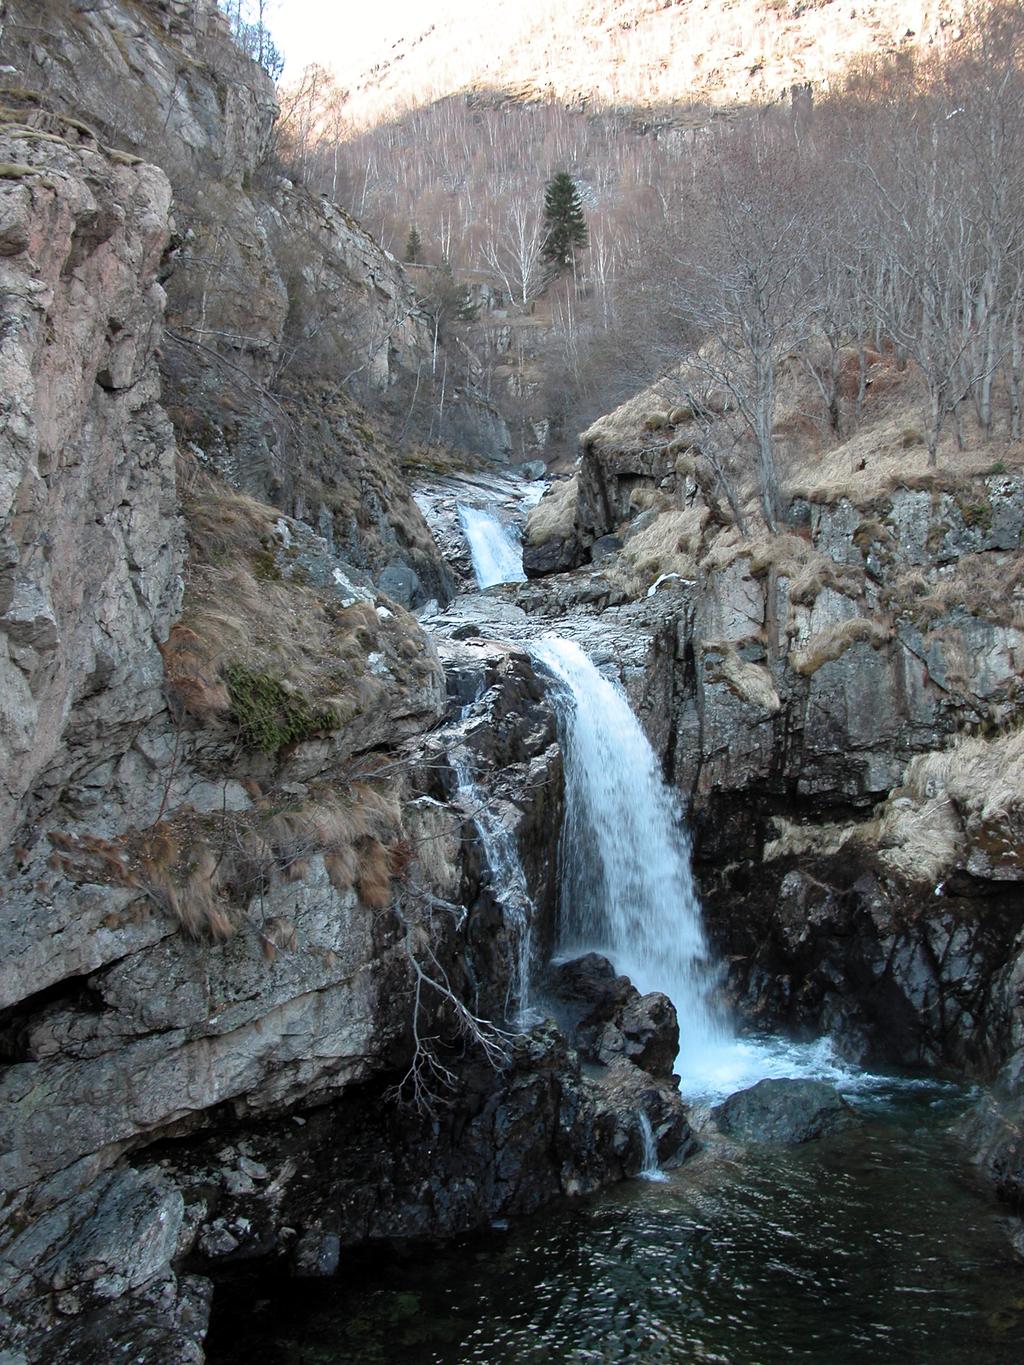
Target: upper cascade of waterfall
[627, 889]
[496, 549]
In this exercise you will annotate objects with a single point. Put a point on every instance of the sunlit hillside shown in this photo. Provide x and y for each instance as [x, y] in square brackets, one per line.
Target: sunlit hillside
[636, 51]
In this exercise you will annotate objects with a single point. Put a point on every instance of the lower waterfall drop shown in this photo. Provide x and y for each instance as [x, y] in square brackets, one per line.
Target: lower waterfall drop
[650, 1170]
[627, 890]
[497, 553]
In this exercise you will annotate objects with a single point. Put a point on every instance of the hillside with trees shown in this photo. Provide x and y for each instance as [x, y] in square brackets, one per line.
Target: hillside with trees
[881, 212]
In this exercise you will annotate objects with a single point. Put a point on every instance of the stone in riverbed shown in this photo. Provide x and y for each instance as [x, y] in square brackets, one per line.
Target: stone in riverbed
[605, 547]
[531, 469]
[786, 1112]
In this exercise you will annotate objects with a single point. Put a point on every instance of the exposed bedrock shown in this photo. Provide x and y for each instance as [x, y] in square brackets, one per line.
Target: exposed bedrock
[91, 547]
[838, 705]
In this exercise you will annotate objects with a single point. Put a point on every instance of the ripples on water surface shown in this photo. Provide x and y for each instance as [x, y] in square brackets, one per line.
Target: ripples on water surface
[877, 1246]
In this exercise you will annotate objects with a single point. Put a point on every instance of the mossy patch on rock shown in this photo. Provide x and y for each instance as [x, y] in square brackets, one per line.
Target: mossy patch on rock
[977, 514]
[269, 715]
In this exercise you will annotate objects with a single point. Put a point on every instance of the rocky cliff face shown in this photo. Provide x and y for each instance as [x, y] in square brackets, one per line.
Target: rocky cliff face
[274, 295]
[92, 545]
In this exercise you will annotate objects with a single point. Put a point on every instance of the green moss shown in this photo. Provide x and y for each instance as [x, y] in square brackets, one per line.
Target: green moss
[999, 467]
[977, 514]
[269, 717]
[264, 566]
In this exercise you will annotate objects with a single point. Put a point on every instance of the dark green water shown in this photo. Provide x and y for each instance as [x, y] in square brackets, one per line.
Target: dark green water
[880, 1246]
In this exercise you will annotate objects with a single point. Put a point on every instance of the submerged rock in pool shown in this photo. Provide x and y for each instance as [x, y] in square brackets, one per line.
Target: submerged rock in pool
[787, 1112]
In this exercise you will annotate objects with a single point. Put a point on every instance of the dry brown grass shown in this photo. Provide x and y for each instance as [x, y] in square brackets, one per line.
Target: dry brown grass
[976, 781]
[657, 421]
[807, 841]
[242, 613]
[989, 586]
[554, 517]
[626, 427]
[204, 870]
[359, 838]
[865, 468]
[829, 645]
[921, 832]
[879, 457]
[751, 682]
[788, 556]
[670, 544]
[225, 526]
[314, 648]
[984, 777]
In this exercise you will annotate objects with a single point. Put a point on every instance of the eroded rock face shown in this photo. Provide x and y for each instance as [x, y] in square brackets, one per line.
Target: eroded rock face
[91, 545]
[612, 1020]
[993, 1131]
[522, 1135]
[274, 295]
[793, 686]
[896, 974]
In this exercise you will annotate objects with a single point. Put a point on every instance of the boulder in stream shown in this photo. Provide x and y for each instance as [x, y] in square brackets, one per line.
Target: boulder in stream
[616, 1020]
[786, 1112]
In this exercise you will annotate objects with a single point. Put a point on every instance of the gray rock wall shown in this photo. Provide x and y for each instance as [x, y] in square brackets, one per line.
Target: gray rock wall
[92, 547]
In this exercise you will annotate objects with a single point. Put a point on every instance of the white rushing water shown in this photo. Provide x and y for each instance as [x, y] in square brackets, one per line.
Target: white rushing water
[627, 887]
[627, 890]
[650, 1170]
[508, 880]
[496, 550]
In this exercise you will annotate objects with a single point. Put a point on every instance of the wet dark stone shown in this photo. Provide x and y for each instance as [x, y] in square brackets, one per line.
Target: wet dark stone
[993, 1130]
[786, 1112]
[604, 548]
[613, 1020]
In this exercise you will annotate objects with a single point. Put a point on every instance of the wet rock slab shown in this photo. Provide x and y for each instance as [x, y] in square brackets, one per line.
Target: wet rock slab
[784, 1112]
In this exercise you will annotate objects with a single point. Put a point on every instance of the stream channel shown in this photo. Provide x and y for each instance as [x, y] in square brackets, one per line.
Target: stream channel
[878, 1244]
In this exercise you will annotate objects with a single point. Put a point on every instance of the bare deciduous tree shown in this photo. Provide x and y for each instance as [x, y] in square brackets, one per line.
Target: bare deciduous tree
[745, 289]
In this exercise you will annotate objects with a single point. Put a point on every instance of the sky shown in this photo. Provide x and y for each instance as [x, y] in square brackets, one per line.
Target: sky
[344, 34]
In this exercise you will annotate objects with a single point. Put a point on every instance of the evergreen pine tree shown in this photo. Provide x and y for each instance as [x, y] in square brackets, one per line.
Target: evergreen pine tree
[413, 246]
[563, 216]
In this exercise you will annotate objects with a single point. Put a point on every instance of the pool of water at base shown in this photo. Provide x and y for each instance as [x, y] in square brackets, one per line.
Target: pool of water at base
[878, 1245]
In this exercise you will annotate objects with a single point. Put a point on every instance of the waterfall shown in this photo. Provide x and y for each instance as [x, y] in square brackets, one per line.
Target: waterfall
[650, 1170]
[508, 879]
[497, 553]
[627, 890]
